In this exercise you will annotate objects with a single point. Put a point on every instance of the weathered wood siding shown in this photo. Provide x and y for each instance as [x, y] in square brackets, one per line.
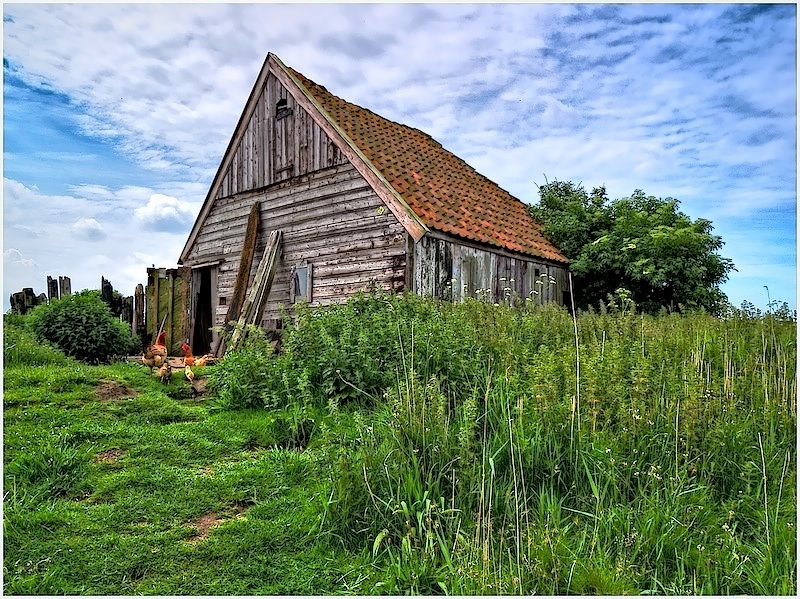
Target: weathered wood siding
[330, 219]
[451, 270]
[277, 144]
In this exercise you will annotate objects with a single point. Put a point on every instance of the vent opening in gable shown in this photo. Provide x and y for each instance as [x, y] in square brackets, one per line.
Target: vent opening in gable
[282, 109]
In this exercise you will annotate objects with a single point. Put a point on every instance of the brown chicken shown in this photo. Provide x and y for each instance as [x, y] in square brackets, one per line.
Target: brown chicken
[156, 354]
[190, 360]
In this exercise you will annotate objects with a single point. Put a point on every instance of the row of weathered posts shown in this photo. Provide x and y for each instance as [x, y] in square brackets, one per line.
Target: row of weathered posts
[25, 300]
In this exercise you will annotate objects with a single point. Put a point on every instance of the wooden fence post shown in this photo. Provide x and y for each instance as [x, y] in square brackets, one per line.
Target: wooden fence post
[138, 321]
[25, 300]
[52, 288]
[64, 287]
[106, 290]
[156, 277]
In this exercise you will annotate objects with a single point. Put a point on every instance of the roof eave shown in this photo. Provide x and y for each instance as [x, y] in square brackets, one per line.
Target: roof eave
[391, 197]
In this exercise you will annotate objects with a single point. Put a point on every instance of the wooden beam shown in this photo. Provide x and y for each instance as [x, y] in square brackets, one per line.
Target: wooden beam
[243, 274]
[171, 300]
[254, 304]
[186, 278]
[156, 278]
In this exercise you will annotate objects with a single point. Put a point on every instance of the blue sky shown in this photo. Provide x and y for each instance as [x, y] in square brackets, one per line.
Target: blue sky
[116, 116]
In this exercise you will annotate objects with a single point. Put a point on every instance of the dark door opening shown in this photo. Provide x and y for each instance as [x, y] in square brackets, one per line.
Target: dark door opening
[203, 313]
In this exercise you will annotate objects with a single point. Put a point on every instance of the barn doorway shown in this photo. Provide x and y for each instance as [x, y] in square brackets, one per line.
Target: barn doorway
[203, 294]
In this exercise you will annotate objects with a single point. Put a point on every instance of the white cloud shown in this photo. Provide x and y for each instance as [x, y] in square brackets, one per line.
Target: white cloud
[83, 247]
[165, 213]
[13, 256]
[20, 271]
[89, 229]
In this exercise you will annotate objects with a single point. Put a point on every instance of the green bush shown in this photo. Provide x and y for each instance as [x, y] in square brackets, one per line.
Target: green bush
[82, 326]
[240, 379]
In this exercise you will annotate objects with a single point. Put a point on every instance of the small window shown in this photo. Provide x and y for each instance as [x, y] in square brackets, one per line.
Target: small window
[223, 301]
[301, 284]
[282, 109]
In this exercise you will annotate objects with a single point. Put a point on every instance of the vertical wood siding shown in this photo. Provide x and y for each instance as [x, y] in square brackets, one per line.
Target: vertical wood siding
[276, 148]
[449, 270]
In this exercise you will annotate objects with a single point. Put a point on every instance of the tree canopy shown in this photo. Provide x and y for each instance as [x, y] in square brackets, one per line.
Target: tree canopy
[642, 247]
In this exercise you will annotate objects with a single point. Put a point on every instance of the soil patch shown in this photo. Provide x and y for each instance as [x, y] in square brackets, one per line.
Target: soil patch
[113, 391]
[205, 523]
[110, 455]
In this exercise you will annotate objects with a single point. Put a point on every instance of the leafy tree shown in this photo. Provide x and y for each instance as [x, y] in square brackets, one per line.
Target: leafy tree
[82, 326]
[642, 245]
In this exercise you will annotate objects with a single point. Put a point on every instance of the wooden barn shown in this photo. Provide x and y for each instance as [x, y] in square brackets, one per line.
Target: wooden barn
[317, 198]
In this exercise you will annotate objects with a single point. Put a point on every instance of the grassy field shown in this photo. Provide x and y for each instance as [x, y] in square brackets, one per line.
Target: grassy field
[404, 445]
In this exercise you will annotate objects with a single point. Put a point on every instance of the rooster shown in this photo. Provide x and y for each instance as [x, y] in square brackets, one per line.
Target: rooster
[190, 360]
[156, 354]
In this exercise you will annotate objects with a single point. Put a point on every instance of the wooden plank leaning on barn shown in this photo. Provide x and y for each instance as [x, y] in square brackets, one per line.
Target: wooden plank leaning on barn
[253, 306]
[243, 274]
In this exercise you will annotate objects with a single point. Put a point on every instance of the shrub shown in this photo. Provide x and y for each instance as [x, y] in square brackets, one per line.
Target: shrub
[82, 326]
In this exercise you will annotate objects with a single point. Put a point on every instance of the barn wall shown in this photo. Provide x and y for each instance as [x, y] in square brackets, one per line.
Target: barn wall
[451, 270]
[277, 145]
[330, 219]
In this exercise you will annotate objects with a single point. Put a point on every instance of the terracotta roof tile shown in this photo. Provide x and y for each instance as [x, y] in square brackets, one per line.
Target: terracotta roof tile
[445, 192]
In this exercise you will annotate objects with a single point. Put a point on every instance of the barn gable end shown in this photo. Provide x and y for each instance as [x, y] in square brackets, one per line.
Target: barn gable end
[284, 133]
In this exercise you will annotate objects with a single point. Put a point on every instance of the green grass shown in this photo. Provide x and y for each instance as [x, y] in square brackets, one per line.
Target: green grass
[402, 445]
[100, 497]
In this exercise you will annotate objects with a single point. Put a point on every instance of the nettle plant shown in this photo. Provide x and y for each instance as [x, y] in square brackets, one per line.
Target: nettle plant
[82, 326]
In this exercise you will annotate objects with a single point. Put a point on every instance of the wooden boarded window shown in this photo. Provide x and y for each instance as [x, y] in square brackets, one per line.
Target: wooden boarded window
[282, 109]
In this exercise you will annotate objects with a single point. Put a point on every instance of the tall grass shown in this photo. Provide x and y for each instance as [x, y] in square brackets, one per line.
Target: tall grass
[429, 448]
[20, 348]
[474, 469]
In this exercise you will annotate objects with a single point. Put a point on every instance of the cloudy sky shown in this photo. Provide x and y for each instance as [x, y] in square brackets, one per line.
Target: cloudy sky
[116, 116]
